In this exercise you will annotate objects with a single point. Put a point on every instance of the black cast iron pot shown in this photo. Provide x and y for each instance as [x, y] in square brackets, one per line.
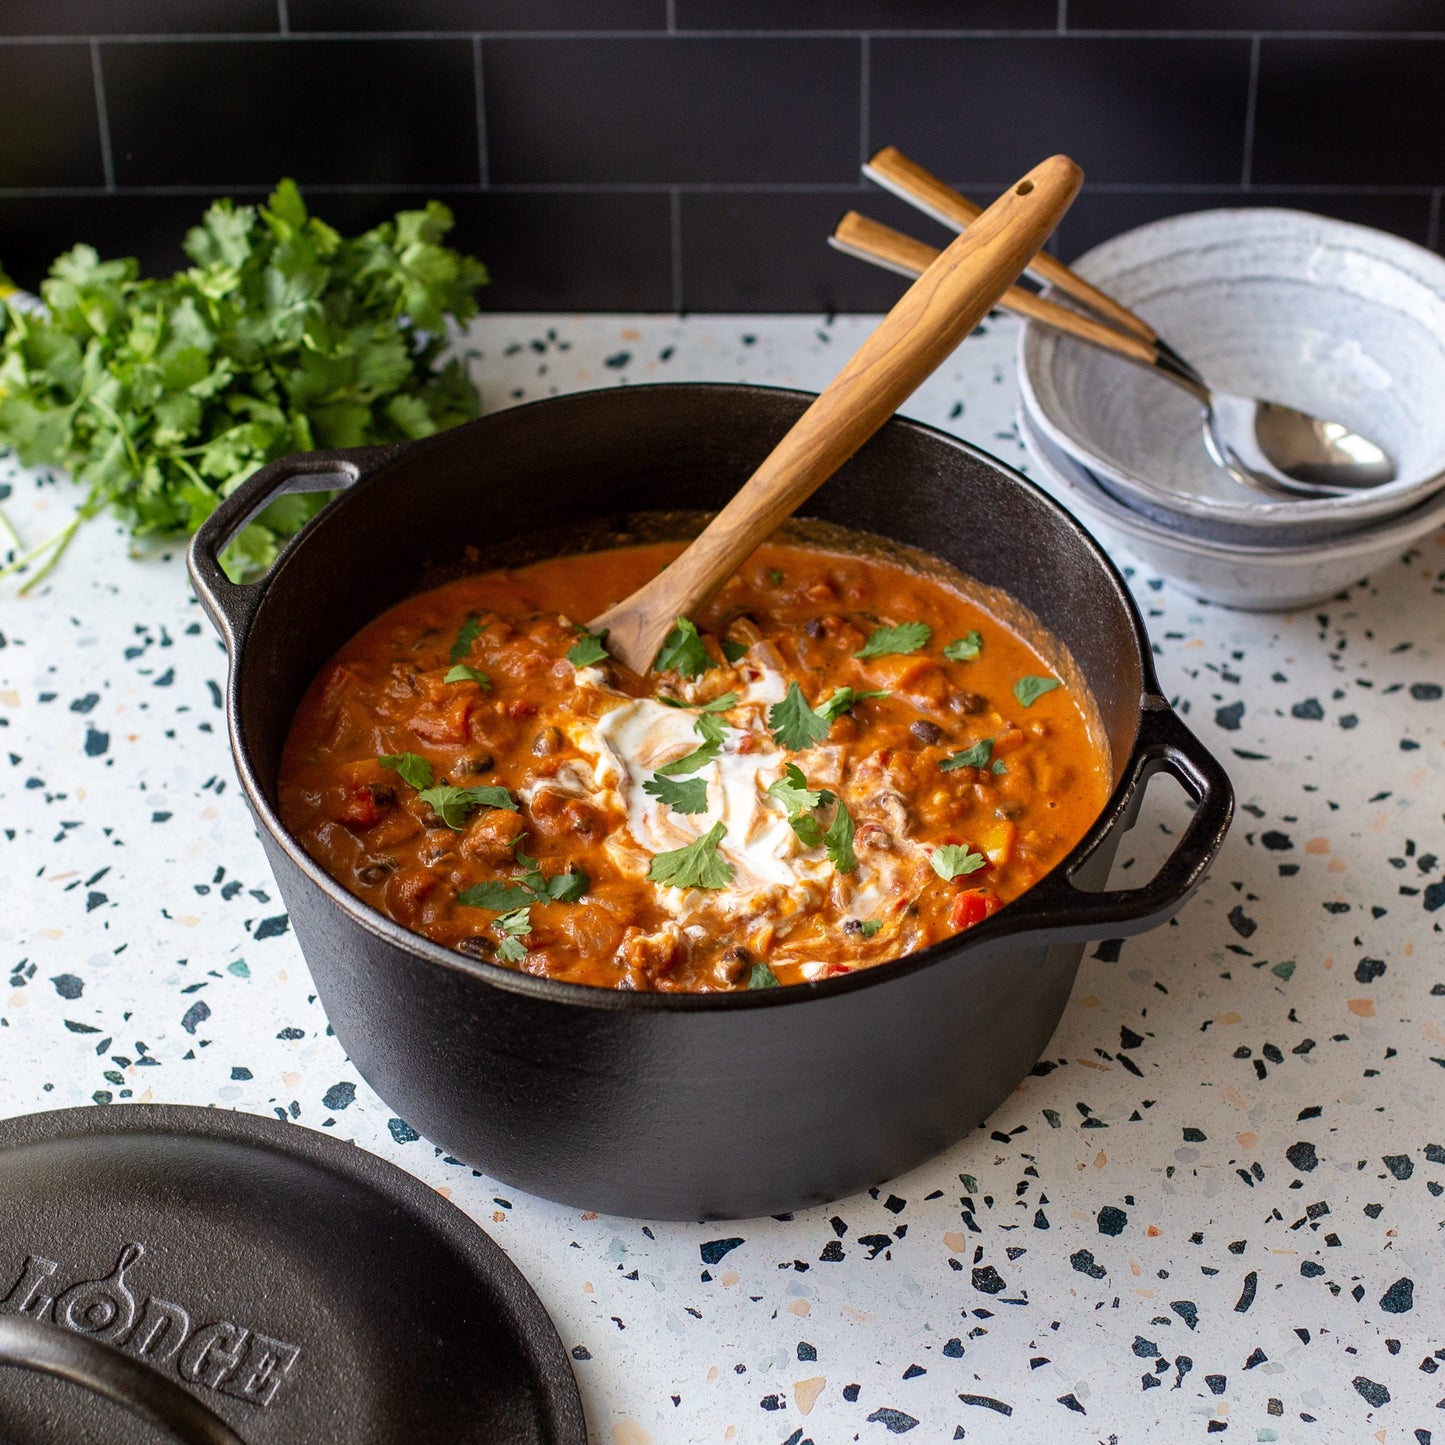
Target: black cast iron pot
[676, 1106]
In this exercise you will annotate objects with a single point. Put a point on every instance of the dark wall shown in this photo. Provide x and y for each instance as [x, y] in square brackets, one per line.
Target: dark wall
[693, 154]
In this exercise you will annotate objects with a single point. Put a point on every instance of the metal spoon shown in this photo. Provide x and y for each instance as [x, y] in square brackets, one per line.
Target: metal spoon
[1265, 445]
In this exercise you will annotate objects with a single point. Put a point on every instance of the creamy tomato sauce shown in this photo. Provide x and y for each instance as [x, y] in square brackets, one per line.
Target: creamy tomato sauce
[768, 807]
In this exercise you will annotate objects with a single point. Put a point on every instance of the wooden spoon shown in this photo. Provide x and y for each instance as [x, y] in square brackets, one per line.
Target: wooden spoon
[931, 318]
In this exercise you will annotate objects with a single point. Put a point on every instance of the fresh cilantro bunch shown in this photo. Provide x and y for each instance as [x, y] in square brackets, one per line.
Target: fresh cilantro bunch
[162, 395]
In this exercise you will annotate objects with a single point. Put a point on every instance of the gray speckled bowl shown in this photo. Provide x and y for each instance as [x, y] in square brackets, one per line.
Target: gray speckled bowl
[1340, 320]
[1256, 579]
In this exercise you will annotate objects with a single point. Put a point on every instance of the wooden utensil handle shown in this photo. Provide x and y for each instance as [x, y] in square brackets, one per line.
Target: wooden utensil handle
[931, 318]
[895, 172]
[871, 240]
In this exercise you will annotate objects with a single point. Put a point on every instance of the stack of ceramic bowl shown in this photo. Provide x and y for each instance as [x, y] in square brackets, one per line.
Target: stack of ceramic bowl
[1338, 320]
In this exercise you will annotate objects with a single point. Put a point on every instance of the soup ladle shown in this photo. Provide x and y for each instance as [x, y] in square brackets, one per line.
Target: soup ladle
[1265, 445]
[954, 292]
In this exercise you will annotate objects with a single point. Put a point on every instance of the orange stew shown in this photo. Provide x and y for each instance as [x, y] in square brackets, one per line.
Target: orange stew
[845, 761]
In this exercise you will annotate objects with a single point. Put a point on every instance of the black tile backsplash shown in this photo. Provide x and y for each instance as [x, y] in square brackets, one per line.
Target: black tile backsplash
[49, 135]
[672, 110]
[244, 112]
[664, 154]
[1156, 111]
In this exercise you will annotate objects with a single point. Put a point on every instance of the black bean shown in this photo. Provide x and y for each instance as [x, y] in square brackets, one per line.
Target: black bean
[852, 926]
[814, 627]
[547, 742]
[374, 873]
[476, 947]
[925, 731]
[381, 794]
[968, 703]
[482, 763]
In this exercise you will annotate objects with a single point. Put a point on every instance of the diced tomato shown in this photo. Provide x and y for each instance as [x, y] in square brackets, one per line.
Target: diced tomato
[972, 906]
[359, 809]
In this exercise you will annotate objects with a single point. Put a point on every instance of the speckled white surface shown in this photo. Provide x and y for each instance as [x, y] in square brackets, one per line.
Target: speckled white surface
[1216, 1207]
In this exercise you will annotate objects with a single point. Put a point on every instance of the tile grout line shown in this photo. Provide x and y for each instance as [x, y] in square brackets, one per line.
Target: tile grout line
[283, 17]
[864, 101]
[674, 212]
[102, 118]
[1063, 22]
[671, 8]
[484, 168]
[1251, 96]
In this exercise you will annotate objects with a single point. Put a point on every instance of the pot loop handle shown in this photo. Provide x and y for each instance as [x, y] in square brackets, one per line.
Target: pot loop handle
[232, 605]
[49, 1350]
[1066, 913]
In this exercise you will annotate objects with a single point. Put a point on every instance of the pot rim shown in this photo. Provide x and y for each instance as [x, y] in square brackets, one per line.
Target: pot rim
[1131, 770]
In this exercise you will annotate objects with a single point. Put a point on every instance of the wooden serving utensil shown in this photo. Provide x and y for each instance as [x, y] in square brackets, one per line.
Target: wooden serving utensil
[932, 317]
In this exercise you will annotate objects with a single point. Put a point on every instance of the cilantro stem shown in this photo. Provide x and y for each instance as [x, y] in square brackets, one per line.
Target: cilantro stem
[57, 545]
[10, 530]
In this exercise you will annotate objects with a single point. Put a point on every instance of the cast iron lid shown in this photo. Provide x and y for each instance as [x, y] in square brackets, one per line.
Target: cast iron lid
[295, 1287]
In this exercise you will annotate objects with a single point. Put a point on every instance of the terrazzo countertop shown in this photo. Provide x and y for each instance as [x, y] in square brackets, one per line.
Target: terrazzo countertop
[1214, 1206]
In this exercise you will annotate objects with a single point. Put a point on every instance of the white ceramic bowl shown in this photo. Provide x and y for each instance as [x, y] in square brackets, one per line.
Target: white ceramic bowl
[1257, 579]
[1339, 320]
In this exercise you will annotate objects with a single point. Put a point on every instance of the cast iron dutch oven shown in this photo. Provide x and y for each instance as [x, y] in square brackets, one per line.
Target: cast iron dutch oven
[677, 1106]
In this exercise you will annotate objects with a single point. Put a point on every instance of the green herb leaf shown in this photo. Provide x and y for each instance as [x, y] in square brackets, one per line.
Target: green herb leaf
[462, 673]
[953, 860]
[775, 577]
[699, 865]
[691, 762]
[467, 634]
[499, 897]
[710, 728]
[1030, 689]
[684, 651]
[793, 792]
[512, 949]
[567, 887]
[998, 768]
[733, 651]
[412, 768]
[794, 724]
[808, 829]
[905, 638]
[871, 926]
[965, 648]
[514, 926]
[839, 840]
[844, 700]
[762, 976]
[591, 647]
[454, 804]
[975, 757]
[686, 797]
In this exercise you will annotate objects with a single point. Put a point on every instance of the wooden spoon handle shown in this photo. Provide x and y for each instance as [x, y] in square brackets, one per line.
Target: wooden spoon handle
[870, 240]
[893, 170]
[931, 318]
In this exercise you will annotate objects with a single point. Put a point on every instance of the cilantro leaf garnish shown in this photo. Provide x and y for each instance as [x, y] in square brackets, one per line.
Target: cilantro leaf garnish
[589, 648]
[953, 860]
[839, 840]
[793, 792]
[454, 804]
[844, 699]
[998, 768]
[412, 768]
[514, 926]
[733, 651]
[467, 634]
[683, 650]
[685, 797]
[871, 926]
[906, 637]
[567, 887]
[976, 756]
[691, 762]
[699, 865]
[965, 648]
[794, 724]
[808, 828]
[462, 673]
[1030, 689]
[761, 976]
[500, 897]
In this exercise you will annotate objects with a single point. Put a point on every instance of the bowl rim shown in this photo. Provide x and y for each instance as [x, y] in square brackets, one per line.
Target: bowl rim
[421, 950]
[1413, 525]
[1037, 346]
